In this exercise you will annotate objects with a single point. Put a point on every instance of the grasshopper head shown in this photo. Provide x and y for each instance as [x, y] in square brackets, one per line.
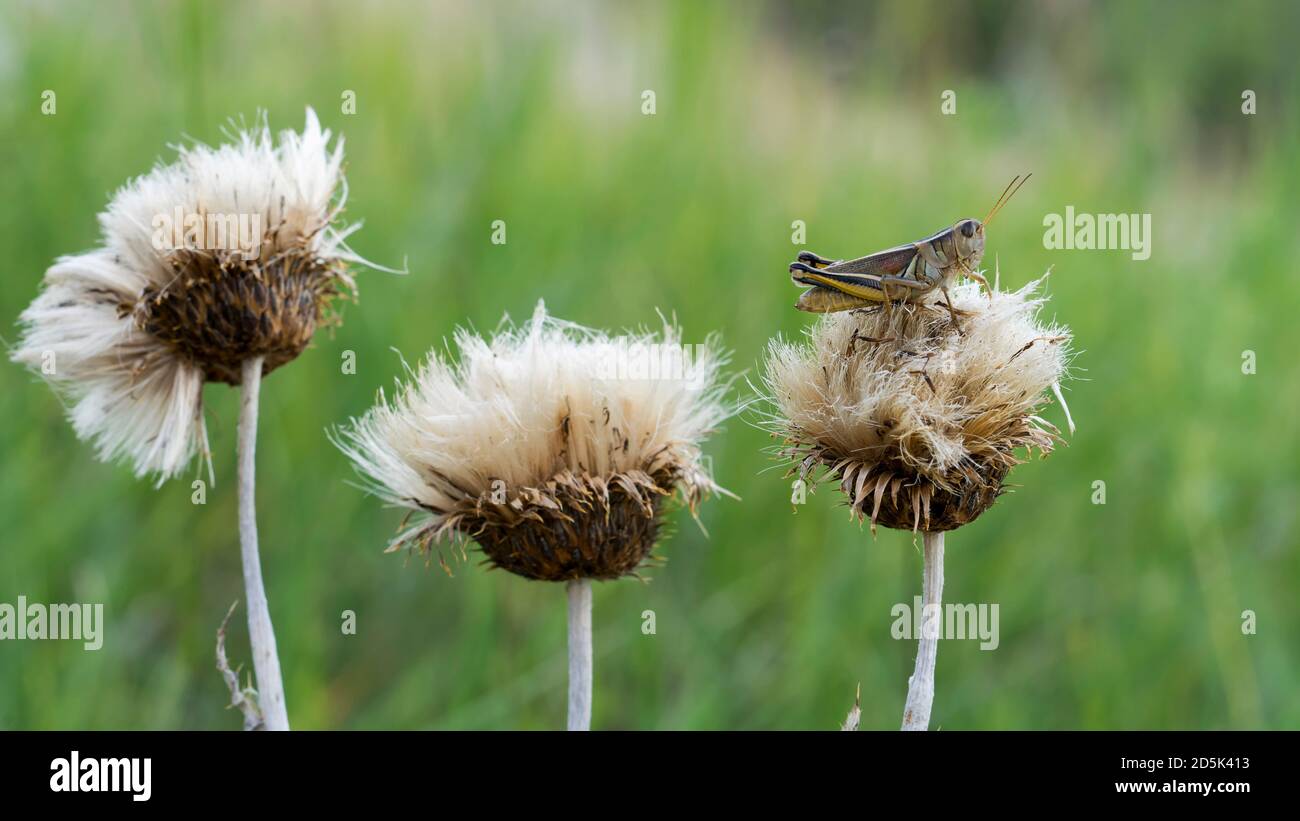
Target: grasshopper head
[969, 236]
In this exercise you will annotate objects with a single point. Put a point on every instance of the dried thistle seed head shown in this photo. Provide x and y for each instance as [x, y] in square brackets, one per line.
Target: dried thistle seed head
[918, 422]
[228, 253]
[576, 526]
[218, 314]
[554, 447]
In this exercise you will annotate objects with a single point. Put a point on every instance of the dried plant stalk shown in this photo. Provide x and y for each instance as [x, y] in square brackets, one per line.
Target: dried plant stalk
[920, 687]
[240, 697]
[261, 636]
[854, 718]
[579, 591]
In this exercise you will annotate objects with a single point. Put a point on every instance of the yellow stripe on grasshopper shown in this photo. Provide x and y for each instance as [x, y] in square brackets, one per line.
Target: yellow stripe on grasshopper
[869, 290]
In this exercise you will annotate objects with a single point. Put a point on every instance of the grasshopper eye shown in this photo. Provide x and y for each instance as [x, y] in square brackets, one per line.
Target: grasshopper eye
[968, 228]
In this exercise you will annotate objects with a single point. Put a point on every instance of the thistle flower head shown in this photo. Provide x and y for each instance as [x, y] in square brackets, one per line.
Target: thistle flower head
[918, 422]
[227, 253]
[543, 447]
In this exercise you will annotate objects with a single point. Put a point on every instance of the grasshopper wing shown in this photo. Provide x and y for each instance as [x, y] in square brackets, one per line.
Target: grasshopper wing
[882, 263]
[857, 278]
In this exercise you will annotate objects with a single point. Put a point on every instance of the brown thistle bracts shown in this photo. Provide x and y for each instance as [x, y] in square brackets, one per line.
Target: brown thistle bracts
[217, 312]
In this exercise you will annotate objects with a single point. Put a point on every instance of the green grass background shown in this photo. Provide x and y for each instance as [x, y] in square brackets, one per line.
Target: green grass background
[1123, 615]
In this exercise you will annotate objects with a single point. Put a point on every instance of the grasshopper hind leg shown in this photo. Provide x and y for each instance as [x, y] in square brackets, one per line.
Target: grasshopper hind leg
[809, 258]
[819, 300]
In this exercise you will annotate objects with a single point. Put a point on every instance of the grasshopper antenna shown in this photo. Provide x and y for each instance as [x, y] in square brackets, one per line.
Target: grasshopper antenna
[1005, 197]
[998, 201]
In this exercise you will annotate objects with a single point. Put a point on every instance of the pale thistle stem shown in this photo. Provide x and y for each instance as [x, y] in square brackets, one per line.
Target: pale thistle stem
[261, 637]
[920, 687]
[579, 591]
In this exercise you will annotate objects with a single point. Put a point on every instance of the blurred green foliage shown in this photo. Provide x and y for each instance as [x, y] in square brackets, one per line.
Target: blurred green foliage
[1123, 615]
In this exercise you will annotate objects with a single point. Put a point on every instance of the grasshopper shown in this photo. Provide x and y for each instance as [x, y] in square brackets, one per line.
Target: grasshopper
[906, 273]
